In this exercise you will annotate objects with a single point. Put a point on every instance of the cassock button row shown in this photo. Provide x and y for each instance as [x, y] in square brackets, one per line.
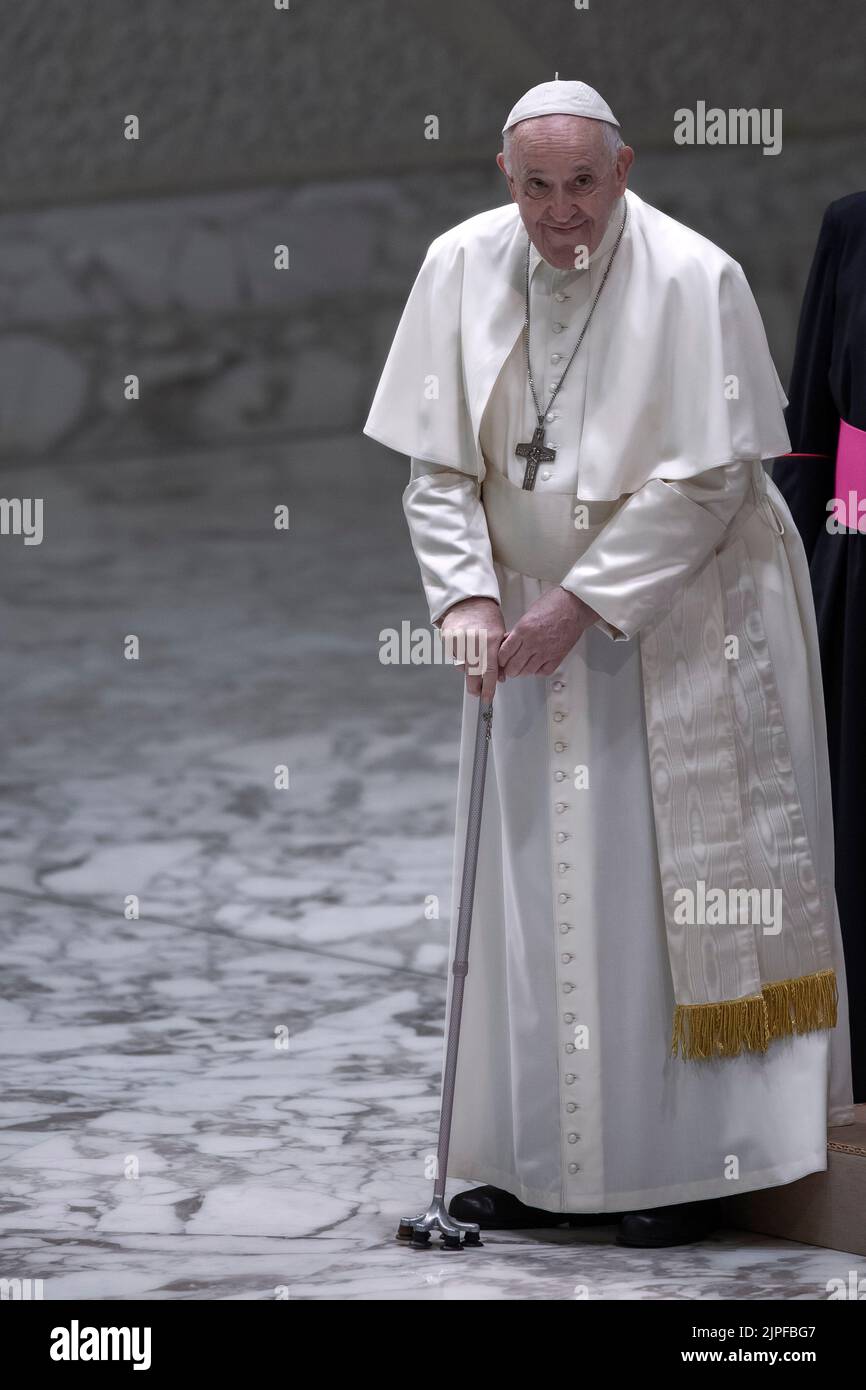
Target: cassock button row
[570, 1047]
[560, 296]
[561, 806]
[563, 897]
[551, 415]
[561, 835]
[567, 987]
[559, 776]
[559, 746]
[563, 868]
[573, 1167]
[557, 327]
[573, 1138]
[570, 1077]
[566, 958]
[556, 357]
[559, 685]
[572, 1106]
[568, 1018]
[564, 927]
[558, 718]
[545, 474]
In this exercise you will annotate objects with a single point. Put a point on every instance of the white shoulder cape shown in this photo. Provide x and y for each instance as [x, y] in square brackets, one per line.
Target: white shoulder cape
[680, 374]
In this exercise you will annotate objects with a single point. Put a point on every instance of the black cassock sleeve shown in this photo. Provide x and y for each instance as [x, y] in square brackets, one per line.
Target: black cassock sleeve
[806, 475]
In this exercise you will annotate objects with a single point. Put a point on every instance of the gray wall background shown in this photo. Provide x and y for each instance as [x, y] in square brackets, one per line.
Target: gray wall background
[306, 127]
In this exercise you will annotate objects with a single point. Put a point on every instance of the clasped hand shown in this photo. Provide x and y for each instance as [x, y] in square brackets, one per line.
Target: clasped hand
[535, 646]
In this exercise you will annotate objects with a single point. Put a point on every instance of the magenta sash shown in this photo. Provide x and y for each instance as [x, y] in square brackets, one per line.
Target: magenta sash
[850, 483]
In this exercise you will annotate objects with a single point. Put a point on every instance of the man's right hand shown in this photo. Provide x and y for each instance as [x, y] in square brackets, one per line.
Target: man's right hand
[482, 628]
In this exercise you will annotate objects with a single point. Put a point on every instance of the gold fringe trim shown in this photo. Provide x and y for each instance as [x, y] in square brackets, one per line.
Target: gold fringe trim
[783, 1008]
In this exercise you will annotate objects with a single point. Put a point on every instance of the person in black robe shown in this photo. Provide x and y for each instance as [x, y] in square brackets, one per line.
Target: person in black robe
[826, 421]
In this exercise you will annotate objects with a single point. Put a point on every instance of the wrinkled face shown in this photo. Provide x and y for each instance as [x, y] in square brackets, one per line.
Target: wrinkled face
[565, 180]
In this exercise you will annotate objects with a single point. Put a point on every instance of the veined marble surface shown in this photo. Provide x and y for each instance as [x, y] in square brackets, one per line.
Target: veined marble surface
[157, 1139]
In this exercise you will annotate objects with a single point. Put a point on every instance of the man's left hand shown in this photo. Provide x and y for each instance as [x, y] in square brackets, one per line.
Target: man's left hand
[545, 634]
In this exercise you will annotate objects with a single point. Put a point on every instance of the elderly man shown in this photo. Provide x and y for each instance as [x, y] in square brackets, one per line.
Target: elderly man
[655, 1014]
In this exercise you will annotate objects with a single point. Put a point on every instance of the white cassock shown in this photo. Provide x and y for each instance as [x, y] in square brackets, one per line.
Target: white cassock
[567, 1095]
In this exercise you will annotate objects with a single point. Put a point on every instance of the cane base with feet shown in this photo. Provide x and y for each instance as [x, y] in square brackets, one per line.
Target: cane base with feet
[417, 1230]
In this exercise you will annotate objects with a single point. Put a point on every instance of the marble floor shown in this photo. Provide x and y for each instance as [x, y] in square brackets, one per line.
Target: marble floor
[222, 1001]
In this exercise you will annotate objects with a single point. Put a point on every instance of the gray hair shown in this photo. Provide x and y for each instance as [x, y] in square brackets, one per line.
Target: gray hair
[610, 134]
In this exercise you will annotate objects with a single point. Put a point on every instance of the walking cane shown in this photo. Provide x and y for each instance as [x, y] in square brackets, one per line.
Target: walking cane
[417, 1229]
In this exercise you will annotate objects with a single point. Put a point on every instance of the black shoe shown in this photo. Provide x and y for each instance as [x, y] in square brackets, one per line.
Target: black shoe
[676, 1225]
[495, 1210]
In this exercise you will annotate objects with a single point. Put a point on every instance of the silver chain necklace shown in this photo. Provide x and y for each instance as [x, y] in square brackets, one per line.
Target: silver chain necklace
[537, 451]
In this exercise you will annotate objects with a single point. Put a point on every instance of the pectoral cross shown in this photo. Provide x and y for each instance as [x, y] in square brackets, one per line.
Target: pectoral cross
[535, 453]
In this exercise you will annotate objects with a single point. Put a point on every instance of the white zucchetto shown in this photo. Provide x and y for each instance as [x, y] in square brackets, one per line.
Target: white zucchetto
[560, 99]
